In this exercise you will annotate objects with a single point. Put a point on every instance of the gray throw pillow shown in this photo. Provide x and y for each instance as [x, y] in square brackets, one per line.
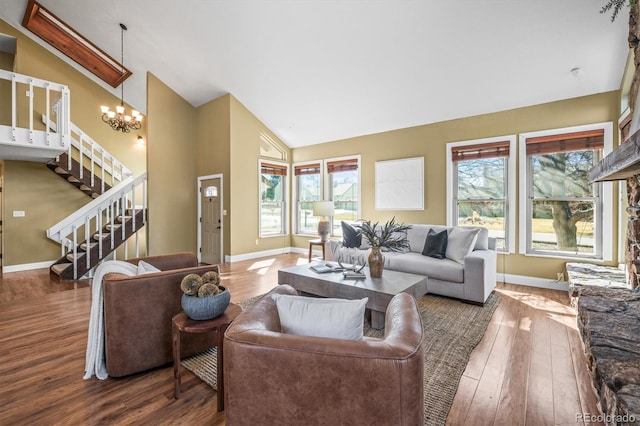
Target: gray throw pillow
[351, 236]
[436, 244]
[461, 242]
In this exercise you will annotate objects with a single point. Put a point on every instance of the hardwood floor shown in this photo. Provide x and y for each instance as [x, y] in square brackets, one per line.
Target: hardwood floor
[528, 369]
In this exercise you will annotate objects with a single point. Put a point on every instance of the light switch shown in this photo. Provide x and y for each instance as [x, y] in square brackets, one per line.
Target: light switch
[18, 213]
[224, 212]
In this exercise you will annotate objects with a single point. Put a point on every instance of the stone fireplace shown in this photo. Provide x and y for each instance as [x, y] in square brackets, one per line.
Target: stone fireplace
[609, 318]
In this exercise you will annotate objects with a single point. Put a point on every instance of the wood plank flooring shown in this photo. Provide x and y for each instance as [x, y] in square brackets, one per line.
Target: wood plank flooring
[529, 368]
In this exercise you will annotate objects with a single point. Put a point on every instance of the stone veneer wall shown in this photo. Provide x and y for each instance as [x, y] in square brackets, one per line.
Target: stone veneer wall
[609, 322]
[632, 246]
[632, 249]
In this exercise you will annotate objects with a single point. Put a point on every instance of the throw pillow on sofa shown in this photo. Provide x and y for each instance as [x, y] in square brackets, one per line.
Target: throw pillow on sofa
[352, 237]
[320, 317]
[460, 243]
[436, 244]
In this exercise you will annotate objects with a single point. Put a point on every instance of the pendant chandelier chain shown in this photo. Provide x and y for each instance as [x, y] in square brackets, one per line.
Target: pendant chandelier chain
[117, 119]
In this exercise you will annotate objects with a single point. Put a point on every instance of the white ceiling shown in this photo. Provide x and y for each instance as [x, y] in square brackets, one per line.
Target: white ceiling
[319, 70]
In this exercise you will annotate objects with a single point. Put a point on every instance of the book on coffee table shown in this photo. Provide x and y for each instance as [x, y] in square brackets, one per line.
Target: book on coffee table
[352, 275]
[321, 269]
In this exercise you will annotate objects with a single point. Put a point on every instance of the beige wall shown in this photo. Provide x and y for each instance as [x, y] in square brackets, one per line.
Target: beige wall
[429, 141]
[245, 153]
[6, 63]
[171, 170]
[86, 97]
[213, 152]
[34, 189]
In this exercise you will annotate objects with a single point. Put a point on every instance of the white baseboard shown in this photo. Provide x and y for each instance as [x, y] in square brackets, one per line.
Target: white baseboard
[533, 281]
[274, 252]
[257, 254]
[27, 266]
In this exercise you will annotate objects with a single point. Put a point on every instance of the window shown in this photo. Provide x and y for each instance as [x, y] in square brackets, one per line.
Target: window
[273, 192]
[343, 188]
[480, 186]
[564, 211]
[308, 188]
[211, 191]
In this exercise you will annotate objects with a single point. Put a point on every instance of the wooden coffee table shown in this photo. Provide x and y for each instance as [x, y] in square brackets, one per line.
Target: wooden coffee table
[380, 291]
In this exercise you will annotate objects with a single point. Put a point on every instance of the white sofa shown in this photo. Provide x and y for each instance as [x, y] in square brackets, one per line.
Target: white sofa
[472, 281]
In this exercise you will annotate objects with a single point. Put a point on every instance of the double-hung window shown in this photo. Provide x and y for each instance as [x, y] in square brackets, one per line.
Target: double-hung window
[344, 189]
[480, 186]
[308, 189]
[273, 195]
[564, 209]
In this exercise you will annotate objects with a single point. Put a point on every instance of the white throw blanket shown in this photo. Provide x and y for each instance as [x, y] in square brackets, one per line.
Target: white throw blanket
[95, 360]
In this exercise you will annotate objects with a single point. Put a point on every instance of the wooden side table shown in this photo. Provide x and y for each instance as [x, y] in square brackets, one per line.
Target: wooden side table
[182, 323]
[316, 243]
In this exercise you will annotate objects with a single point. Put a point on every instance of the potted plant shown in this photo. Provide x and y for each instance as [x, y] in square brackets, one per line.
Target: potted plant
[391, 236]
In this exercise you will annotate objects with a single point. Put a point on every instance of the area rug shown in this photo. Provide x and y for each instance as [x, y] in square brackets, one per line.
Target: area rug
[451, 330]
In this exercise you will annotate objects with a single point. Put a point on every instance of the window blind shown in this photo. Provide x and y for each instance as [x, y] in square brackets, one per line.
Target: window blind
[307, 169]
[478, 151]
[625, 127]
[592, 139]
[273, 169]
[342, 165]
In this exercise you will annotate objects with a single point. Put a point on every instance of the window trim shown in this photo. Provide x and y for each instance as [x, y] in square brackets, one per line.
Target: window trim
[285, 198]
[606, 193]
[294, 192]
[510, 236]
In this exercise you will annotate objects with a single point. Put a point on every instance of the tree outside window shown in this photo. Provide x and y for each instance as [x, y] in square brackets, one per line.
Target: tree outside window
[344, 180]
[480, 197]
[564, 208]
[308, 190]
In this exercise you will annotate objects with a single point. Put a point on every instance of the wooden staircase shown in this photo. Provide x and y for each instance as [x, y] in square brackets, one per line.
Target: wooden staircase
[115, 211]
[78, 176]
[101, 245]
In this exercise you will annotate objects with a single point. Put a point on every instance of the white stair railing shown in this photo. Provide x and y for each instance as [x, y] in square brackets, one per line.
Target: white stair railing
[102, 211]
[94, 155]
[56, 99]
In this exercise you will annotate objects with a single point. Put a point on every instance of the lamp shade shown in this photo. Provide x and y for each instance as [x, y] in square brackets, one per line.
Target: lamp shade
[323, 208]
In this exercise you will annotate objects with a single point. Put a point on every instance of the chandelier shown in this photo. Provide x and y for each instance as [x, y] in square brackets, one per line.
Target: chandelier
[117, 119]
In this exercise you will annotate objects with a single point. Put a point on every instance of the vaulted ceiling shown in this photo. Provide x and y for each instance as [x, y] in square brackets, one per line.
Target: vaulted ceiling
[319, 70]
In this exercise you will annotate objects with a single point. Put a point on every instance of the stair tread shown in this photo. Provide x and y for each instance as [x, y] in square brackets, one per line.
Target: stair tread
[59, 267]
[69, 256]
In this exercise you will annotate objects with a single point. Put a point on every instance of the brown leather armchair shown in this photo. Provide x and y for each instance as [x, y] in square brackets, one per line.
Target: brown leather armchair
[276, 378]
[138, 312]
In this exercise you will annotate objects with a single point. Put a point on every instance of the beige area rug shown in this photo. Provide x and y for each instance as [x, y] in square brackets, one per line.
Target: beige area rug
[451, 330]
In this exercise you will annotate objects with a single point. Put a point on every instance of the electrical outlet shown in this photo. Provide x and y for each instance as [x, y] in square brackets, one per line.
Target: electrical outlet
[560, 276]
[257, 241]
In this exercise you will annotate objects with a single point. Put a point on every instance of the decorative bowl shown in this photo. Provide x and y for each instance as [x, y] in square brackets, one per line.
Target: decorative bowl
[205, 308]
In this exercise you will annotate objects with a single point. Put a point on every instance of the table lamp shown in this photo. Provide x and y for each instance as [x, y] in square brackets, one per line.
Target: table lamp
[323, 209]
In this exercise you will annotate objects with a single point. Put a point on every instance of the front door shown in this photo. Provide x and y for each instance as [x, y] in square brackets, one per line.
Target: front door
[211, 225]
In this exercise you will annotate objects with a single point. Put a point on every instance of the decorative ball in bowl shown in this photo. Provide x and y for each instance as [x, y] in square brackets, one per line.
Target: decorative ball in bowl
[203, 298]
[207, 307]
